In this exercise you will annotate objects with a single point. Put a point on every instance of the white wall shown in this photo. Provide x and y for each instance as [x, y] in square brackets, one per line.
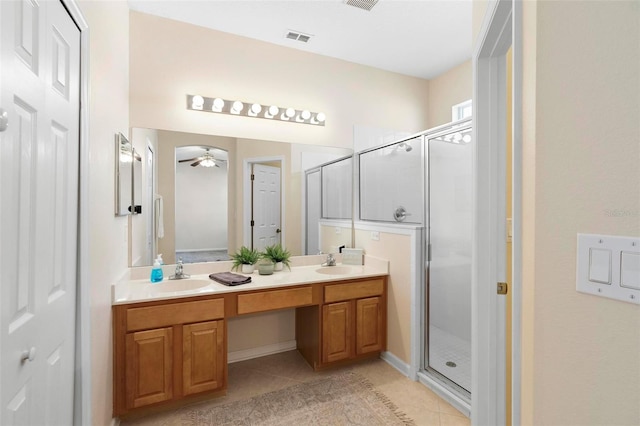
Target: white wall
[108, 114]
[581, 121]
[201, 207]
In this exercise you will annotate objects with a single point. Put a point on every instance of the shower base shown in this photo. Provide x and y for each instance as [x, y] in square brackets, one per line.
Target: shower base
[446, 348]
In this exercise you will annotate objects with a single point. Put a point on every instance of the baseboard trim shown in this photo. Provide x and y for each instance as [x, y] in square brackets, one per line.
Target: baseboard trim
[395, 362]
[246, 354]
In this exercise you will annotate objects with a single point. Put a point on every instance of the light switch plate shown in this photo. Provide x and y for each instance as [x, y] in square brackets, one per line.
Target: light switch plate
[607, 267]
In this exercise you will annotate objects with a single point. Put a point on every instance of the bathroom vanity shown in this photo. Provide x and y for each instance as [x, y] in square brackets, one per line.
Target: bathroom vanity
[170, 344]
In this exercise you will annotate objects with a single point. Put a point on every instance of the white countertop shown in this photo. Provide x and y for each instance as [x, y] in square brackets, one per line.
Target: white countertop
[142, 290]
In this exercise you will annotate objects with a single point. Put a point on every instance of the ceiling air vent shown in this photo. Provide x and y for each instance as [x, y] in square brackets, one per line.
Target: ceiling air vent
[298, 36]
[362, 4]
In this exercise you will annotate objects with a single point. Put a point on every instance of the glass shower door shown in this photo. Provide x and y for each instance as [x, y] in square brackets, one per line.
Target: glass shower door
[448, 350]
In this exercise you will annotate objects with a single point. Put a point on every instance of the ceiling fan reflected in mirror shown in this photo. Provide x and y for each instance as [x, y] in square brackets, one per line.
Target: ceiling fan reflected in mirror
[205, 160]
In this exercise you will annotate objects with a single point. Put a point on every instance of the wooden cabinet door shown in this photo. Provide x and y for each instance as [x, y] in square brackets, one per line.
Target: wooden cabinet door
[203, 357]
[337, 331]
[369, 331]
[149, 367]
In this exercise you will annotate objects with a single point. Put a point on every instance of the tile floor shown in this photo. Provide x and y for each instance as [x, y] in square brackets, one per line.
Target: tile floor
[261, 375]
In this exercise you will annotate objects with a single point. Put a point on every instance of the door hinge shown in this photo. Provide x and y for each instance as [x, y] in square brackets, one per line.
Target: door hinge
[429, 252]
[253, 223]
[253, 177]
[503, 288]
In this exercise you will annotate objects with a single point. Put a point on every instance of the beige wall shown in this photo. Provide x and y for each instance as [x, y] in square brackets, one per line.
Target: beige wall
[249, 149]
[330, 241]
[108, 115]
[253, 331]
[449, 89]
[170, 59]
[397, 250]
[581, 121]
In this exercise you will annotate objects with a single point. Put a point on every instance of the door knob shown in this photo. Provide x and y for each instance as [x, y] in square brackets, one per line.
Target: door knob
[29, 355]
[278, 231]
[4, 120]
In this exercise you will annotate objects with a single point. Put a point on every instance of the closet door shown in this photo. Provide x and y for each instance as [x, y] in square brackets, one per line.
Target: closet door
[40, 94]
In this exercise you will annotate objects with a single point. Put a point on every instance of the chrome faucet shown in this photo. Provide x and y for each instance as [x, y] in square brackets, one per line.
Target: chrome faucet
[179, 274]
[331, 261]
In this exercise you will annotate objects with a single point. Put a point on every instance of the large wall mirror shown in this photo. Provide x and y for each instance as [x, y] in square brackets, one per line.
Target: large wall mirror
[198, 200]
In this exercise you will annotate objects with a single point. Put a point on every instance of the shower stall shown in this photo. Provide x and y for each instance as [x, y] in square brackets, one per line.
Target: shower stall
[425, 182]
[448, 228]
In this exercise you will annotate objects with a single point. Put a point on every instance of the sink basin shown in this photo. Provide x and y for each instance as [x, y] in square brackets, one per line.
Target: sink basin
[335, 270]
[180, 285]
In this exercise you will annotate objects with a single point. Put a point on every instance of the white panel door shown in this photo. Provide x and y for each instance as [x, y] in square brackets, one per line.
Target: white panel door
[39, 89]
[266, 206]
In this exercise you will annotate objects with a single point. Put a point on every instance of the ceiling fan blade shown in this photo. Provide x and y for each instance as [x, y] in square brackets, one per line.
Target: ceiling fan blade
[195, 163]
[190, 159]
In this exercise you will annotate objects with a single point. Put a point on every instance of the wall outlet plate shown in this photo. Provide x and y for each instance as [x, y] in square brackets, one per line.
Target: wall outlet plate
[351, 256]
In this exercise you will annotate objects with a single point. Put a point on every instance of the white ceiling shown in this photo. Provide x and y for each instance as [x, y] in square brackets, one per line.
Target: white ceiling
[421, 38]
[195, 151]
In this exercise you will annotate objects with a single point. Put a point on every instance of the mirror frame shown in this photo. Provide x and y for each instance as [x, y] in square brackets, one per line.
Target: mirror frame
[123, 185]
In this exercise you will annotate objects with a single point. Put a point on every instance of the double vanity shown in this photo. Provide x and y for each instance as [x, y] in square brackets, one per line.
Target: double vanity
[170, 338]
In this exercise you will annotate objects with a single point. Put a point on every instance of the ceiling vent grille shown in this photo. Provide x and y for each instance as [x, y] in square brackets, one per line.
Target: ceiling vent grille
[362, 4]
[298, 36]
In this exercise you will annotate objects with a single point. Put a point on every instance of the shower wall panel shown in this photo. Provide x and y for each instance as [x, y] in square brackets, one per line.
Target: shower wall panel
[391, 179]
[337, 189]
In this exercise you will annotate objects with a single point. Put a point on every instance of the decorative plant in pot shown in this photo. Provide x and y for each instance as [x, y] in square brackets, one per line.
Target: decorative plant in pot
[277, 255]
[245, 258]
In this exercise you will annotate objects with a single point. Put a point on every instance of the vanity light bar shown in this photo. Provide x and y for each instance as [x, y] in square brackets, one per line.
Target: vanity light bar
[246, 109]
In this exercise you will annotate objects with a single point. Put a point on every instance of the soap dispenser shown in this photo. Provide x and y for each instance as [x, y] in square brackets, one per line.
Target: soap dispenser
[156, 271]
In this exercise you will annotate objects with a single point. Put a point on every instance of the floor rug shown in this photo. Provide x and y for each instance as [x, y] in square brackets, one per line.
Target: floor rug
[343, 399]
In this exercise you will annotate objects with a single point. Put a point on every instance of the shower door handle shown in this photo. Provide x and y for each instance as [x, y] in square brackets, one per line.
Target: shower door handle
[4, 120]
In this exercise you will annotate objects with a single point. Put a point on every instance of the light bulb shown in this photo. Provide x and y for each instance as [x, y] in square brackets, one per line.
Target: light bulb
[305, 114]
[237, 107]
[466, 138]
[218, 104]
[271, 112]
[320, 117]
[290, 112]
[255, 110]
[197, 102]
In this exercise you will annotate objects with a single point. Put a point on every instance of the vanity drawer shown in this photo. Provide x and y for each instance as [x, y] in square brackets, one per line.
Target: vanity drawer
[350, 291]
[174, 313]
[275, 299]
